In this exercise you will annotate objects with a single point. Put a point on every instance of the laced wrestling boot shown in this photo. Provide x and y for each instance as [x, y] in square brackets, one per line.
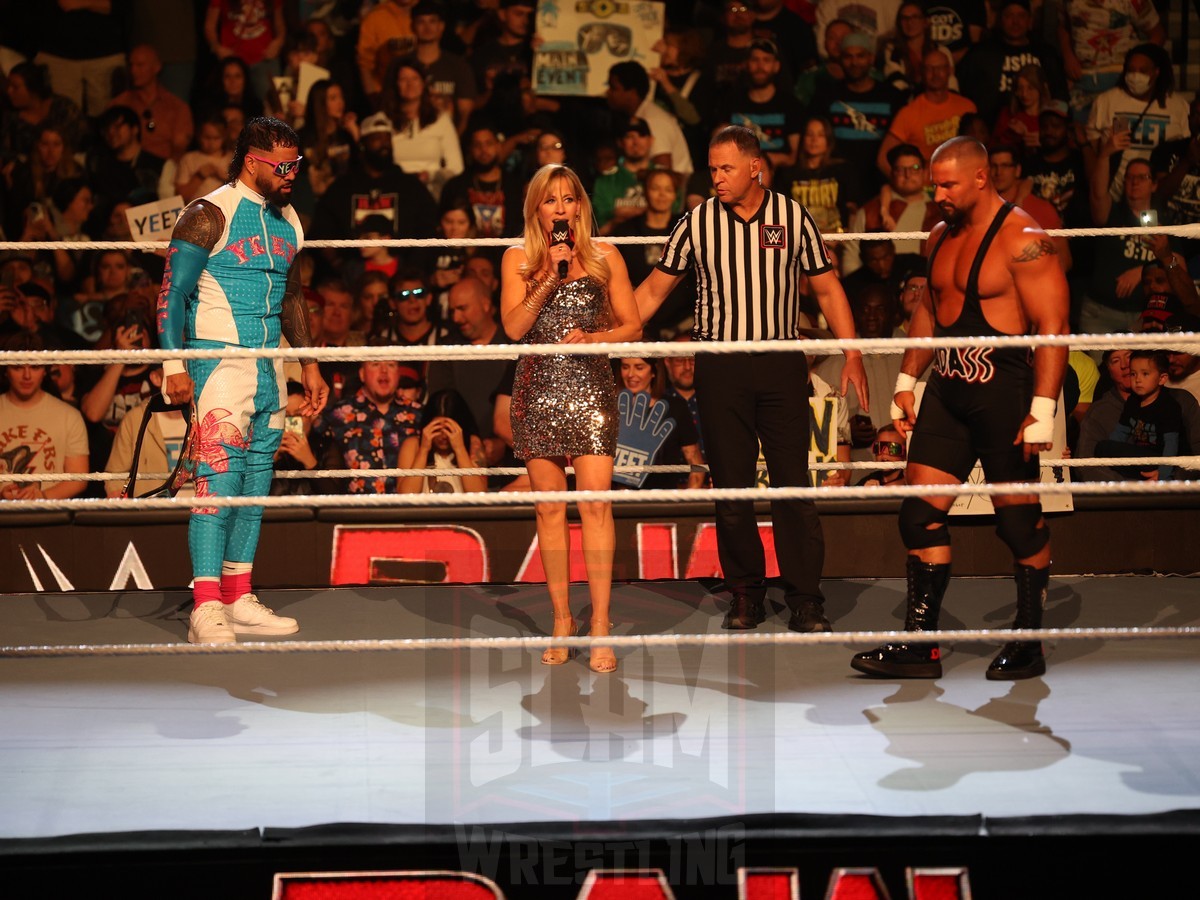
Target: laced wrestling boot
[927, 584]
[1024, 659]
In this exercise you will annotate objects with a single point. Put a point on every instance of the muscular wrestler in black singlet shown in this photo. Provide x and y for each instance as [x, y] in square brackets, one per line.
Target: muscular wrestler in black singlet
[992, 271]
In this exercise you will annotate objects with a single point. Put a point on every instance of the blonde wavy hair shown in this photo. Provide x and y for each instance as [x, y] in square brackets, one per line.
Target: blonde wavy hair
[536, 246]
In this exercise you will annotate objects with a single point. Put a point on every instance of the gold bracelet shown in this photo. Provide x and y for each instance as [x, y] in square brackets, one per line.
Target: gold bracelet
[538, 292]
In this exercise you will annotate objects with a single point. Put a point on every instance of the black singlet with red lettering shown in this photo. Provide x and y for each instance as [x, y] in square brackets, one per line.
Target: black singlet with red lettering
[977, 397]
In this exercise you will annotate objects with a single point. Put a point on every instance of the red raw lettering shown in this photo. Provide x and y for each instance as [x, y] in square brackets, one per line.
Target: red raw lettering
[384, 886]
[938, 884]
[531, 568]
[656, 550]
[769, 884]
[703, 561]
[626, 884]
[357, 550]
[856, 884]
[613, 884]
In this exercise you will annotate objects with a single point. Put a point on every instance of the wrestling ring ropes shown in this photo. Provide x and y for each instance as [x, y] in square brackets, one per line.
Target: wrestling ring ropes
[521, 498]
[105, 704]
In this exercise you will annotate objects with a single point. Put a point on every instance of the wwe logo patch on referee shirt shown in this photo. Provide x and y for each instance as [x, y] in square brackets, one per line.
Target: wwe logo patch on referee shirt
[773, 237]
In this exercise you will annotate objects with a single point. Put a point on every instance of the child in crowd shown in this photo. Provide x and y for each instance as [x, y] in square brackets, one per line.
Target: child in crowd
[1151, 422]
[373, 257]
[447, 439]
[203, 170]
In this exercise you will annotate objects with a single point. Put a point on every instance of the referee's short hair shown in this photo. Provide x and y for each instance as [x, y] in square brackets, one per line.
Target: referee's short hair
[745, 139]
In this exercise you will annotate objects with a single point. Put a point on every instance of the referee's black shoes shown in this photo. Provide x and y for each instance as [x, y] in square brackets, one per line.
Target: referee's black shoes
[746, 611]
[808, 618]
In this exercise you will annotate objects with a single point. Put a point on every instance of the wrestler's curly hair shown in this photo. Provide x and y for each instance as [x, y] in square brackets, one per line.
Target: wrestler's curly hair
[263, 133]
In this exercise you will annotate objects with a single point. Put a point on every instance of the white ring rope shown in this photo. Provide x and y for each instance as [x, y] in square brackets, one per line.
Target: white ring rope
[682, 469]
[650, 349]
[632, 641]
[446, 352]
[654, 495]
[1189, 230]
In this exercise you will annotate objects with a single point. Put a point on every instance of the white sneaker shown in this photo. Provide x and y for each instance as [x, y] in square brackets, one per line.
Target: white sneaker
[207, 625]
[247, 616]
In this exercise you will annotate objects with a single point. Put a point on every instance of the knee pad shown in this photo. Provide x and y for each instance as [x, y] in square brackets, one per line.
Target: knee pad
[916, 515]
[1018, 527]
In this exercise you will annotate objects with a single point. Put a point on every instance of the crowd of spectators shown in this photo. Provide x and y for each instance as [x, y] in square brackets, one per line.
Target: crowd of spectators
[419, 118]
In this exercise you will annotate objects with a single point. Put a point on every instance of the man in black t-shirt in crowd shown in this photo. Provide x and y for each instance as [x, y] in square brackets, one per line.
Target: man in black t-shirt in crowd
[378, 187]
[1056, 169]
[861, 109]
[1176, 166]
[988, 72]
[764, 107]
[495, 196]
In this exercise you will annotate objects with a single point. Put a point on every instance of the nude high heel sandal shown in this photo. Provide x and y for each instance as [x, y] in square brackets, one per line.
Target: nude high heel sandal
[602, 660]
[556, 656]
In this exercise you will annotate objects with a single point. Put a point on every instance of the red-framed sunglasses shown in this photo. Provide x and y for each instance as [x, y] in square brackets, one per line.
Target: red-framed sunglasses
[282, 169]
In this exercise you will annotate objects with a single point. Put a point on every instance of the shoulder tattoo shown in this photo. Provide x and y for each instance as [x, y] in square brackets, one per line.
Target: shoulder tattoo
[1036, 250]
[201, 224]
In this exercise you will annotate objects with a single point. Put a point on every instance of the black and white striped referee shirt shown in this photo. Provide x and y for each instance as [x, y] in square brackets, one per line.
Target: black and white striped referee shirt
[747, 271]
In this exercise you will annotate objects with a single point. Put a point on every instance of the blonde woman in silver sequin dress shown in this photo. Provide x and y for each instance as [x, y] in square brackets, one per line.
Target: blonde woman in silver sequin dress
[564, 408]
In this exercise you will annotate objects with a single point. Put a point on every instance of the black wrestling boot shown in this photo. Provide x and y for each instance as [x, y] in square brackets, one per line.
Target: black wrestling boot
[927, 584]
[1024, 659]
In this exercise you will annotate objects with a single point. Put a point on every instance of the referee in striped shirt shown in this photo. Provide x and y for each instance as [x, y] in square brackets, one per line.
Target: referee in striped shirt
[749, 247]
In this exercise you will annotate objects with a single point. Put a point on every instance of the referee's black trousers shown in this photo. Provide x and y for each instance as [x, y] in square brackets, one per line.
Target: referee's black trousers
[745, 398]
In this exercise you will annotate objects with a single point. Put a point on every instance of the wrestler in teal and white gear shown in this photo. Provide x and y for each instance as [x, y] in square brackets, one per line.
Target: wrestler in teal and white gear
[231, 280]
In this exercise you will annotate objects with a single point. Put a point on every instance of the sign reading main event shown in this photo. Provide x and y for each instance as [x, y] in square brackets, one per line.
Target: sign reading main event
[582, 39]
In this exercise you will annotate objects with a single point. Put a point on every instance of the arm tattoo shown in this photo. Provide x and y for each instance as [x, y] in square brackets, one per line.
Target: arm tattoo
[1036, 250]
[201, 224]
[294, 314]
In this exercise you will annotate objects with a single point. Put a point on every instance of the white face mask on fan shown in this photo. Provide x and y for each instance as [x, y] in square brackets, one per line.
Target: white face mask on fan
[1138, 83]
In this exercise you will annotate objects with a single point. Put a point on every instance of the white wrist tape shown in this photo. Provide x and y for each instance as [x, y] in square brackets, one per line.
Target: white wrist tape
[171, 367]
[904, 382]
[1041, 430]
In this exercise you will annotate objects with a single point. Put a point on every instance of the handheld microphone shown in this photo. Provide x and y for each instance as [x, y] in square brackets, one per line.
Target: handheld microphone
[560, 233]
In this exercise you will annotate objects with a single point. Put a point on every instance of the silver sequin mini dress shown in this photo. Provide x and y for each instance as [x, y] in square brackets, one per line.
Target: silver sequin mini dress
[566, 405]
